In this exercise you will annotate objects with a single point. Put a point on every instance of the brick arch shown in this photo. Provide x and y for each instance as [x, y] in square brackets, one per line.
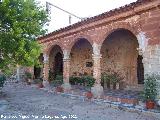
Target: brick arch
[49, 48]
[120, 25]
[77, 38]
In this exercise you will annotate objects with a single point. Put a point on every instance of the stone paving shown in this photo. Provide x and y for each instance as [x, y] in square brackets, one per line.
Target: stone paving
[20, 101]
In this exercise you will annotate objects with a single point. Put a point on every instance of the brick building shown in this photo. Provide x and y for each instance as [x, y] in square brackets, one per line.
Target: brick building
[124, 40]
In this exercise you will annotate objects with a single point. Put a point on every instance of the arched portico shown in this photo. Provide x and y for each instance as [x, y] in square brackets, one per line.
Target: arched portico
[140, 41]
[55, 62]
[120, 55]
[81, 58]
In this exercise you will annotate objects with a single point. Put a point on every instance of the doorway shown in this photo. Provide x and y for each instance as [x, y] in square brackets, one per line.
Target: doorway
[140, 70]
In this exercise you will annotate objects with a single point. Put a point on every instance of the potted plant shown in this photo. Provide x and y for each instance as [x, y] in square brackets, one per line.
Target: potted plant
[28, 77]
[2, 80]
[115, 79]
[150, 91]
[59, 89]
[105, 79]
[89, 80]
[39, 82]
[40, 85]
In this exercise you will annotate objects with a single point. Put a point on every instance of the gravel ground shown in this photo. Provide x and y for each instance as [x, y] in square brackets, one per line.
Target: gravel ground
[23, 102]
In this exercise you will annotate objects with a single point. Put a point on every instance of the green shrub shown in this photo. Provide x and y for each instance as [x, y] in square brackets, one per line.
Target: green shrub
[28, 75]
[113, 78]
[51, 76]
[58, 80]
[150, 87]
[2, 80]
[37, 81]
[89, 81]
[74, 80]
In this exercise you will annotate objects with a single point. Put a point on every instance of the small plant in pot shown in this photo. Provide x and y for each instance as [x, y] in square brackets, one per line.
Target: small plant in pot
[2, 81]
[39, 82]
[28, 77]
[40, 85]
[150, 91]
[115, 79]
[58, 82]
[105, 79]
[89, 80]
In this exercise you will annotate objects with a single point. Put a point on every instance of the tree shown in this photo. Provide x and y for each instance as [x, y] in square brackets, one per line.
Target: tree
[21, 22]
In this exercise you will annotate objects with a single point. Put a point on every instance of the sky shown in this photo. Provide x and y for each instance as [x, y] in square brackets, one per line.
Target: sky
[81, 8]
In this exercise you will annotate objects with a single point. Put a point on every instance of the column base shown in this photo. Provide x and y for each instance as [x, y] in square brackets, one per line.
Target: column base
[97, 90]
[66, 87]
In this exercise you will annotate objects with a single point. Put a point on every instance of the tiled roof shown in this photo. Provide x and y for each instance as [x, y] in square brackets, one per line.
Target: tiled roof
[98, 17]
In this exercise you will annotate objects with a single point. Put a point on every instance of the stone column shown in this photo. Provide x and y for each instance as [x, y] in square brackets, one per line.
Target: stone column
[45, 70]
[66, 69]
[97, 89]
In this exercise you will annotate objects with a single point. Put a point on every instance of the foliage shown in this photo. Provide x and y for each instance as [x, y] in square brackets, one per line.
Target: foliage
[37, 81]
[113, 78]
[150, 87]
[28, 75]
[87, 80]
[2, 80]
[74, 80]
[21, 22]
[51, 76]
[58, 80]
[105, 77]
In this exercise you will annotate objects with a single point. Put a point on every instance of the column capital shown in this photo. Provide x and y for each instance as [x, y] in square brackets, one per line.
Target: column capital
[96, 48]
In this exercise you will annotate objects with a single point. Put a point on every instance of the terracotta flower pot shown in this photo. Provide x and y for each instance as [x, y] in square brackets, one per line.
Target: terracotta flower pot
[150, 104]
[59, 89]
[40, 85]
[89, 95]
